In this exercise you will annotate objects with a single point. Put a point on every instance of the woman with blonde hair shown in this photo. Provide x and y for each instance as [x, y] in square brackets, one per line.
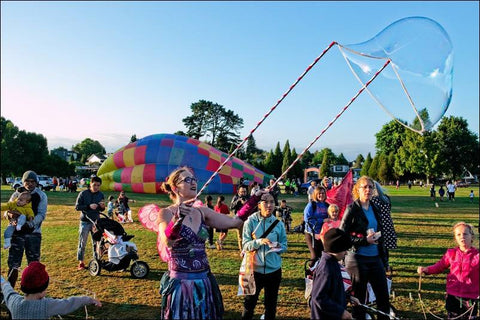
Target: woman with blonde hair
[366, 261]
[188, 288]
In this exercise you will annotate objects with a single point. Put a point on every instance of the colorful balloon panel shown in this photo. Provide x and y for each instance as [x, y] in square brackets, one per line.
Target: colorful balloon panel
[143, 166]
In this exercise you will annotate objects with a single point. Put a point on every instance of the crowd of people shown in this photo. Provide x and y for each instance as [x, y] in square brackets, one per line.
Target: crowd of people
[359, 240]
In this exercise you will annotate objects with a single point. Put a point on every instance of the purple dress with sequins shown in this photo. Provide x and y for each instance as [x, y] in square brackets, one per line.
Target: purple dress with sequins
[188, 289]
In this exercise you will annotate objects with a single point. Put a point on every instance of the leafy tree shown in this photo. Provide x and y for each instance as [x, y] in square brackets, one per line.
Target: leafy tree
[366, 165]
[88, 147]
[277, 161]
[297, 170]
[328, 158]
[8, 157]
[212, 121]
[383, 172]
[180, 133]
[252, 153]
[268, 166]
[307, 159]
[56, 166]
[341, 160]
[389, 138]
[359, 161]
[373, 169]
[317, 158]
[287, 158]
[458, 147]
[418, 154]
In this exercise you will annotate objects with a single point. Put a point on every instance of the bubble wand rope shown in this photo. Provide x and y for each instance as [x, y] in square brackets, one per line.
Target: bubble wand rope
[422, 304]
[264, 117]
[90, 293]
[332, 122]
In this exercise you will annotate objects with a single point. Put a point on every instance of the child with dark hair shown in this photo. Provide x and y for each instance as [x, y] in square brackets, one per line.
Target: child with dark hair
[110, 206]
[34, 305]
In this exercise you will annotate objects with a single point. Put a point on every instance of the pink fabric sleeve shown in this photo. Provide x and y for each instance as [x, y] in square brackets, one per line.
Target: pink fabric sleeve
[442, 264]
[249, 207]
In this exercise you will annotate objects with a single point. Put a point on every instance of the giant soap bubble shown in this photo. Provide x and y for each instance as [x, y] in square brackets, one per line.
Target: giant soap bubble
[417, 88]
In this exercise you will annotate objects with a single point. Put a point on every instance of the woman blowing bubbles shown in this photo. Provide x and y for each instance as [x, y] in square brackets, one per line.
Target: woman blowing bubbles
[188, 288]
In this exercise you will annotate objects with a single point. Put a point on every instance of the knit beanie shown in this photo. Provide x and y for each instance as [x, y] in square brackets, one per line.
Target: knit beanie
[34, 278]
[336, 240]
[29, 175]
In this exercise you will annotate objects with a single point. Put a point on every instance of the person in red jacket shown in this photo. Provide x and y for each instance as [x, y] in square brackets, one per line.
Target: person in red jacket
[222, 208]
[463, 279]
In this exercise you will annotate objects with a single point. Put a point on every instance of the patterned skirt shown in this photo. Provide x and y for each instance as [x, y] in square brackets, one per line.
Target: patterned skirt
[190, 296]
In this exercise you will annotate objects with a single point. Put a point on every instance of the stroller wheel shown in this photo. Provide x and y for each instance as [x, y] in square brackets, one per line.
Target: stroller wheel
[139, 269]
[94, 268]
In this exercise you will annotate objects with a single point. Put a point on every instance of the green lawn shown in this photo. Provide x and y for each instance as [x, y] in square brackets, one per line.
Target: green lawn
[424, 232]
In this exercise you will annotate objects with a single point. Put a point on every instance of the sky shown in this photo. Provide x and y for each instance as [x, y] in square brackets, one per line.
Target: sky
[109, 70]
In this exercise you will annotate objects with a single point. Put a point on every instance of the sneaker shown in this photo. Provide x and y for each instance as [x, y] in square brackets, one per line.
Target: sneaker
[81, 266]
[212, 246]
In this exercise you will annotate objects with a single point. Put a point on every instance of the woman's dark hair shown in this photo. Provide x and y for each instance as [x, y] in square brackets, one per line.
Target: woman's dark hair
[220, 199]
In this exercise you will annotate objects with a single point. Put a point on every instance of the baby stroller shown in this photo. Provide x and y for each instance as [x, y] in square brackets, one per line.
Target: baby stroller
[113, 250]
[347, 284]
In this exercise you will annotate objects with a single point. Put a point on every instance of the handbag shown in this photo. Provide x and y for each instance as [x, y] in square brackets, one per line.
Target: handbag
[246, 279]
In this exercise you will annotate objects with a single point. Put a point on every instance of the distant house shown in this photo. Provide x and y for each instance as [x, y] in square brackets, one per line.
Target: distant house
[337, 171]
[95, 160]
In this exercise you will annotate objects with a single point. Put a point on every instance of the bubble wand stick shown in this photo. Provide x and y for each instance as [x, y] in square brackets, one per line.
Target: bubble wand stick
[263, 119]
[331, 122]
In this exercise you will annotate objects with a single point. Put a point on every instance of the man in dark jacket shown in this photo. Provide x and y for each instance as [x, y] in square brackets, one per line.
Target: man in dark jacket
[90, 202]
[238, 201]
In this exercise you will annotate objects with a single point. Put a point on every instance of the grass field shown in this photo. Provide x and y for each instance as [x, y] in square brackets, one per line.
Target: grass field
[424, 233]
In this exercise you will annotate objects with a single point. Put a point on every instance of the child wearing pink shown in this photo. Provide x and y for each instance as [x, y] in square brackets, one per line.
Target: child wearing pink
[331, 222]
[463, 280]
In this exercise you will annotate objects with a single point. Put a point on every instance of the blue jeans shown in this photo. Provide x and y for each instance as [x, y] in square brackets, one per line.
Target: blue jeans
[30, 243]
[83, 231]
[363, 269]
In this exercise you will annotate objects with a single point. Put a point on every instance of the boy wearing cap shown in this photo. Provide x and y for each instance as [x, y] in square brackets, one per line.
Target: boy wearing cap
[329, 300]
[29, 238]
[34, 305]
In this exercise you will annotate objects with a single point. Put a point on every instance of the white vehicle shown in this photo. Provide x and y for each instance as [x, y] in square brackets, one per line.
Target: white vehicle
[17, 182]
[45, 182]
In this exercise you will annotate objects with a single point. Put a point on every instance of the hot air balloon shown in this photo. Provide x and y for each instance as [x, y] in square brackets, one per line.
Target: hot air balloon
[142, 166]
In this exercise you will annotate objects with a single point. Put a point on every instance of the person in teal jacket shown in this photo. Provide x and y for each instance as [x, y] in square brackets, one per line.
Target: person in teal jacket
[268, 261]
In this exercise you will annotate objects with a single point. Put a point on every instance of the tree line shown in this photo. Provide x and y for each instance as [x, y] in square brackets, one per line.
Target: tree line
[22, 151]
[402, 154]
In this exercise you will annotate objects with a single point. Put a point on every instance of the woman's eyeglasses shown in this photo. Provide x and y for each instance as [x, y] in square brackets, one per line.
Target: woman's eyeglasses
[189, 180]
